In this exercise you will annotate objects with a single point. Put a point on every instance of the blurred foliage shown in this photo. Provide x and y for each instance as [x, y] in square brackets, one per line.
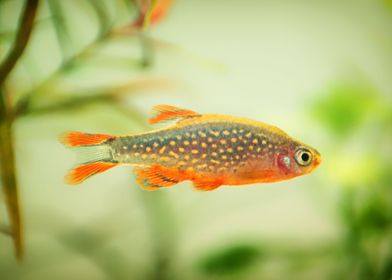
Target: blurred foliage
[356, 119]
[7, 117]
[93, 245]
[366, 202]
[47, 96]
[344, 108]
[388, 4]
[232, 259]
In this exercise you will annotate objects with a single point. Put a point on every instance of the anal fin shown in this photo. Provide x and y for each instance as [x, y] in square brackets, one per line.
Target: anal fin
[168, 112]
[154, 177]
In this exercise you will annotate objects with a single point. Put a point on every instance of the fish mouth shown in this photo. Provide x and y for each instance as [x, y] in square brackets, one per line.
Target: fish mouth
[317, 159]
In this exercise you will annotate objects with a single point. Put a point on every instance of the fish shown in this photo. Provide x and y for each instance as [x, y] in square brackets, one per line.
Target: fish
[210, 150]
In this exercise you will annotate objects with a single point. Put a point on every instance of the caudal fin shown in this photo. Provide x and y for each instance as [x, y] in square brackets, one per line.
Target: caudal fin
[80, 173]
[76, 138]
[93, 151]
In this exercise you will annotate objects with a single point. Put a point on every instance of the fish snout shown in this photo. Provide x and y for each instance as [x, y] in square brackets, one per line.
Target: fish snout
[317, 159]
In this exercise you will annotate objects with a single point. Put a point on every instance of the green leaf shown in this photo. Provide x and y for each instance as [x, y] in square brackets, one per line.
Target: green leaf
[344, 108]
[234, 258]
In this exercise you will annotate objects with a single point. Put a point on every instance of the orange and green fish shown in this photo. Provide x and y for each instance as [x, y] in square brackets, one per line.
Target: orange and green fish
[209, 150]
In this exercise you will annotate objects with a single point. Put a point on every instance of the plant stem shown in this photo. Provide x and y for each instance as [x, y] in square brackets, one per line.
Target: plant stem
[8, 176]
[7, 157]
[163, 233]
[23, 36]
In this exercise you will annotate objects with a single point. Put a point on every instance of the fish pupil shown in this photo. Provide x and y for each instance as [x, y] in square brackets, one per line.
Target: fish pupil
[305, 157]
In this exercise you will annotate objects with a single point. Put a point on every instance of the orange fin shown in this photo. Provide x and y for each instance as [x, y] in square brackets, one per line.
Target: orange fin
[82, 172]
[154, 177]
[75, 138]
[206, 185]
[167, 112]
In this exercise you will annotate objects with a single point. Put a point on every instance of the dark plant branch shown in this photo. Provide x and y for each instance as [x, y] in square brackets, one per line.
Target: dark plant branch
[8, 174]
[23, 36]
[7, 164]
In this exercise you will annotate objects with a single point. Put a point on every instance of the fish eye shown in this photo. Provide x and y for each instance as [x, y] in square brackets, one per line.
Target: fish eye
[303, 156]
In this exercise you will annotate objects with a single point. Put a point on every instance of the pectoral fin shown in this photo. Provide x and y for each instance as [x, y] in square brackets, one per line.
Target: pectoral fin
[167, 112]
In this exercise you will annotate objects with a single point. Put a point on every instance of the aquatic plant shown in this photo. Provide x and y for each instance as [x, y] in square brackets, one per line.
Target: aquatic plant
[45, 95]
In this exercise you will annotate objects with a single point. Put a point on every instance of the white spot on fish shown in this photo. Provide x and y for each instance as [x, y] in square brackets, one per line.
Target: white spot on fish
[286, 161]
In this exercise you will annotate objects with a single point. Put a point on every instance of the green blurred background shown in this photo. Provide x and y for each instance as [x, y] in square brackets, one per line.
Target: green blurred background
[321, 70]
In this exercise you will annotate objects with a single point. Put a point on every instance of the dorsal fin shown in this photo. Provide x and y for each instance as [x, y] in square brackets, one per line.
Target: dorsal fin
[168, 112]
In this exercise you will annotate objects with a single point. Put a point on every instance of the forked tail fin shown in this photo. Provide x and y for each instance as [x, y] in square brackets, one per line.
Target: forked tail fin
[76, 139]
[93, 151]
[81, 172]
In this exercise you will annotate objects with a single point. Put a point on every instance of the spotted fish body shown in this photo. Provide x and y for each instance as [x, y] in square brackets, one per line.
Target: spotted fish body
[213, 147]
[210, 150]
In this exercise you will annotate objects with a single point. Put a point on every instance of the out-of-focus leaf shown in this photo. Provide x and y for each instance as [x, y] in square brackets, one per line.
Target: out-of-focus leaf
[232, 259]
[386, 270]
[79, 98]
[374, 210]
[387, 119]
[83, 241]
[351, 170]
[93, 244]
[388, 4]
[344, 108]
[374, 214]
[101, 12]
[205, 62]
[60, 25]
[6, 36]
[5, 230]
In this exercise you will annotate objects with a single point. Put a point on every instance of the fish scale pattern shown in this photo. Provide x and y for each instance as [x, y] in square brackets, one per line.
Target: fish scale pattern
[209, 147]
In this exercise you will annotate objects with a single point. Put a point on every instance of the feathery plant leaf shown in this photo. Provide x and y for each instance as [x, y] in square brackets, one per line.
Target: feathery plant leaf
[104, 19]
[59, 23]
[9, 111]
